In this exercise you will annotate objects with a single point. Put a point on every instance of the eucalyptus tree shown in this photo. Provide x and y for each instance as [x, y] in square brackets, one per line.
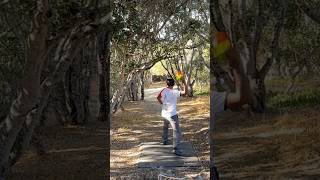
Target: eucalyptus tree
[59, 32]
[12, 44]
[246, 23]
[263, 32]
[187, 34]
[137, 43]
[299, 48]
[28, 96]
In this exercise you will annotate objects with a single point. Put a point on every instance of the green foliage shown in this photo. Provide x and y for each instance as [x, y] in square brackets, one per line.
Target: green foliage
[202, 93]
[304, 98]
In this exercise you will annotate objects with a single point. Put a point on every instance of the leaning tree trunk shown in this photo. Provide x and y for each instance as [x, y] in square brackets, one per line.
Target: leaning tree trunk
[189, 84]
[213, 74]
[71, 96]
[86, 74]
[142, 85]
[170, 71]
[102, 64]
[33, 117]
[120, 92]
[24, 112]
[59, 104]
[28, 97]
[133, 90]
[259, 88]
[77, 88]
[68, 46]
[109, 36]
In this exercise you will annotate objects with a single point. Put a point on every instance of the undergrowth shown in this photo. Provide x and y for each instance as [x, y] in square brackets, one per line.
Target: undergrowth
[305, 98]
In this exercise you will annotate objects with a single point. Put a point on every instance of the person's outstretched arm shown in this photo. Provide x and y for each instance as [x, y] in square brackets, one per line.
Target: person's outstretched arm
[239, 97]
[184, 92]
[235, 97]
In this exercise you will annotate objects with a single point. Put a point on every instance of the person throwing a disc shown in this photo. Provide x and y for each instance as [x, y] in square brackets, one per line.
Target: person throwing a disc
[168, 98]
[227, 56]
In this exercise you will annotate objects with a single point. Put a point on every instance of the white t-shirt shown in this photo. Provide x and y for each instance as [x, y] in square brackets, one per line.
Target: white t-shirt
[218, 106]
[169, 100]
[219, 101]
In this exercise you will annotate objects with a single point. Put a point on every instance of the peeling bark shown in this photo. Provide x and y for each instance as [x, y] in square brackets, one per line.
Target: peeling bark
[68, 46]
[28, 98]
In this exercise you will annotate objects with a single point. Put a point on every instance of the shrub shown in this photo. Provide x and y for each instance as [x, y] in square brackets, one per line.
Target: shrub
[303, 98]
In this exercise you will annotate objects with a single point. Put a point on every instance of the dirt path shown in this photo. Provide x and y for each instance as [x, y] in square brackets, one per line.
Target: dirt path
[79, 152]
[263, 146]
[269, 146]
[141, 122]
[74, 152]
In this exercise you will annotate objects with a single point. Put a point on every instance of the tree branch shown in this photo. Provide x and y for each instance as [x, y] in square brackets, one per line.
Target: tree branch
[215, 14]
[309, 9]
[275, 43]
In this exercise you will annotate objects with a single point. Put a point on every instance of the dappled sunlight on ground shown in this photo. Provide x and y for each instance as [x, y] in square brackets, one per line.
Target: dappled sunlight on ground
[259, 146]
[141, 122]
[269, 146]
[74, 152]
[280, 146]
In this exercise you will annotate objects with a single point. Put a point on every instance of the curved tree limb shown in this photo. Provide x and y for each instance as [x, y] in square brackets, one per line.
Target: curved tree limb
[29, 95]
[275, 43]
[309, 8]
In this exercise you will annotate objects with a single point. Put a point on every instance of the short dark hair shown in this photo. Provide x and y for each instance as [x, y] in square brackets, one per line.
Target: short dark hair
[170, 82]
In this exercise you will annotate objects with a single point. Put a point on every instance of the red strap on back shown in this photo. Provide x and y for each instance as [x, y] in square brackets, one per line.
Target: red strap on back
[161, 91]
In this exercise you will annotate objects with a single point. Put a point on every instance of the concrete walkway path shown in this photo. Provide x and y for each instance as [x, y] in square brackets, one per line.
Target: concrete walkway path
[154, 154]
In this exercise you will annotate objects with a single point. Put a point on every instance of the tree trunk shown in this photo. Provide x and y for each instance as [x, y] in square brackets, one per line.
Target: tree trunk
[78, 83]
[86, 81]
[72, 101]
[103, 53]
[68, 47]
[142, 85]
[121, 91]
[133, 90]
[60, 105]
[108, 102]
[213, 172]
[258, 92]
[171, 74]
[248, 50]
[28, 97]
[24, 109]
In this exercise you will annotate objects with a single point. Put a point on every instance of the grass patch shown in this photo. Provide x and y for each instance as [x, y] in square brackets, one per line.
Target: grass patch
[202, 93]
[305, 98]
[202, 90]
